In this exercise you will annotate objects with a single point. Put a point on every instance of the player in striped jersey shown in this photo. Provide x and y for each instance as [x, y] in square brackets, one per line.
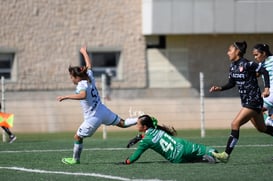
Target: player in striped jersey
[162, 140]
[263, 56]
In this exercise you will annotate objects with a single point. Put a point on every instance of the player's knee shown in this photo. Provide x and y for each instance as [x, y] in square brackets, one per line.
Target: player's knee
[77, 138]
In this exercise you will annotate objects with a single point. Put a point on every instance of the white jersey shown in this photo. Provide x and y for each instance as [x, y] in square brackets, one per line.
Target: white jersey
[95, 113]
[92, 100]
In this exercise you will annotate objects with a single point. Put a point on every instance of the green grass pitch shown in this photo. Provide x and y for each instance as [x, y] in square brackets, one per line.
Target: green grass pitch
[38, 157]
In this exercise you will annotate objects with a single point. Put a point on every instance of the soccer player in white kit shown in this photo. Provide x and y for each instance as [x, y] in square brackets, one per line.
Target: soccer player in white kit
[95, 113]
[263, 55]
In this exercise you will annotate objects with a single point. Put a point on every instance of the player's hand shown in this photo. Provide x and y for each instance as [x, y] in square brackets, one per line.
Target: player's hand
[134, 140]
[266, 92]
[83, 49]
[61, 98]
[126, 162]
[215, 88]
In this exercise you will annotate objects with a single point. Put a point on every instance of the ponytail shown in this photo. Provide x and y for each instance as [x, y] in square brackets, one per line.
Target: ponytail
[151, 122]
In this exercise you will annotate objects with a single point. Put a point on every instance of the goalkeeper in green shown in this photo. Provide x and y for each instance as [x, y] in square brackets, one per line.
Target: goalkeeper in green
[162, 140]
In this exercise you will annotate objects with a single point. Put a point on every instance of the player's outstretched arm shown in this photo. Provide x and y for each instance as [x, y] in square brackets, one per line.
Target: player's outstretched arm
[79, 96]
[87, 59]
[134, 140]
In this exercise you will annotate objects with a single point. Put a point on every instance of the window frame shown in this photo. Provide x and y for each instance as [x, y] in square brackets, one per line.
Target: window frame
[98, 71]
[10, 55]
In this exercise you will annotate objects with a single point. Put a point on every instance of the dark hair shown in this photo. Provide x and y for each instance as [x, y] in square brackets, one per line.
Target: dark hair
[77, 71]
[242, 46]
[151, 122]
[263, 48]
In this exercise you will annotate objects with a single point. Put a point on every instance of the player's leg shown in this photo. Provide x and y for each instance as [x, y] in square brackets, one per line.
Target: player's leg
[269, 120]
[209, 155]
[86, 129]
[203, 153]
[127, 122]
[259, 124]
[242, 117]
[77, 149]
[110, 118]
[12, 137]
[268, 105]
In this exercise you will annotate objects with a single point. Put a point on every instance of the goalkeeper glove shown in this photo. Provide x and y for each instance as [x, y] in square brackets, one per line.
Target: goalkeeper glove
[134, 140]
[126, 162]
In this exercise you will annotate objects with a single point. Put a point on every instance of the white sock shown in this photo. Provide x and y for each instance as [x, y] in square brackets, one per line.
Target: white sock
[130, 122]
[77, 150]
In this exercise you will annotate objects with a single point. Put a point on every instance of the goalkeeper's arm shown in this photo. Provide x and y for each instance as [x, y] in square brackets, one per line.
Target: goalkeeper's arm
[134, 140]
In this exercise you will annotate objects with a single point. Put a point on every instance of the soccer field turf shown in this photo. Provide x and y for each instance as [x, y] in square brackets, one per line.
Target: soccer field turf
[38, 157]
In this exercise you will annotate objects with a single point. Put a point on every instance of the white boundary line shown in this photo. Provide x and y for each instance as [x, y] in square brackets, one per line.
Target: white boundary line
[242, 146]
[64, 150]
[91, 174]
[111, 149]
[75, 174]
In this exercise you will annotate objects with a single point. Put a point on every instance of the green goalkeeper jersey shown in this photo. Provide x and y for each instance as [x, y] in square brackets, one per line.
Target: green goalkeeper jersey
[174, 149]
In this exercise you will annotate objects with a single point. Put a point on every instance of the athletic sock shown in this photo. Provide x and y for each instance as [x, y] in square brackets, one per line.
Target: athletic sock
[269, 130]
[232, 141]
[77, 150]
[130, 122]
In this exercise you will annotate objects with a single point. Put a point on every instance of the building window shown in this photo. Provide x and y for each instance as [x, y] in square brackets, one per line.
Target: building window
[156, 42]
[103, 60]
[6, 65]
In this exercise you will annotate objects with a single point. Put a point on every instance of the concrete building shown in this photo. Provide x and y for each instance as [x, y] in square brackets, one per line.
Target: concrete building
[153, 47]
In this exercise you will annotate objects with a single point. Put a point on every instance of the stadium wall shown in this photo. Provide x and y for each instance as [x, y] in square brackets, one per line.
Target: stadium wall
[40, 111]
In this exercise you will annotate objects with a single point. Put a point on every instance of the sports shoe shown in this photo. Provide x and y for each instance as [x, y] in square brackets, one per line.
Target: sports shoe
[70, 161]
[222, 157]
[209, 159]
[12, 138]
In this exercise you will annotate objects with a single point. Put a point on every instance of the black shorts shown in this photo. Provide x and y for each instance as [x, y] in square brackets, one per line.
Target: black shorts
[258, 110]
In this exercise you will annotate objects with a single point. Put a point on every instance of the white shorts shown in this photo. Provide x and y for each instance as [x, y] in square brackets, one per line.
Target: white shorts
[103, 115]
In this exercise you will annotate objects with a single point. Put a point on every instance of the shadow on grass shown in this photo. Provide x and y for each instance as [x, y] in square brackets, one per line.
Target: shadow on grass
[149, 162]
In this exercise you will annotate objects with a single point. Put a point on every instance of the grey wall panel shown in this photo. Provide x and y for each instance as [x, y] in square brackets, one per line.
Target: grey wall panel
[203, 16]
[264, 16]
[245, 17]
[224, 16]
[182, 16]
[207, 16]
